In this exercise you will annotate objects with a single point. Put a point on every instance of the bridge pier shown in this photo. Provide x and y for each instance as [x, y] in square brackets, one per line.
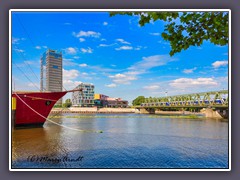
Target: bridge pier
[147, 111]
[210, 113]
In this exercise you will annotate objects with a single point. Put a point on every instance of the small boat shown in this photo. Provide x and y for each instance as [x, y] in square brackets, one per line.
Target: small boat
[31, 109]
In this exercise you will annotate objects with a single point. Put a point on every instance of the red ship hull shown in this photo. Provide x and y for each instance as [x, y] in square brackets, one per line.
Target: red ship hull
[32, 108]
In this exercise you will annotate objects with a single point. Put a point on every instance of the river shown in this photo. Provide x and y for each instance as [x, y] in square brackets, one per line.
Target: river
[122, 141]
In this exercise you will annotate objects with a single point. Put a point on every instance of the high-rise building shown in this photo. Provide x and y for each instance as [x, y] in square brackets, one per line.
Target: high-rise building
[84, 97]
[51, 72]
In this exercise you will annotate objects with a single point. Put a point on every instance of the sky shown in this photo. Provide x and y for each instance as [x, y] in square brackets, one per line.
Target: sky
[115, 54]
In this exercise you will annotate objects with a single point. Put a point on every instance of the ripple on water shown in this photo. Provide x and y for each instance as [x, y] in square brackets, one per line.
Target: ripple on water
[127, 141]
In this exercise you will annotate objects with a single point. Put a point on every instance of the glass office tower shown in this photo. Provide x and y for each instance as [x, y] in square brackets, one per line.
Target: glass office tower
[51, 72]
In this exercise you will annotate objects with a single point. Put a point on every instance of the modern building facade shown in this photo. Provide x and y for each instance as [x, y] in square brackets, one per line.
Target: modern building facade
[84, 98]
[116, 102]
[101, 100]
[51, 72]
[100, 96]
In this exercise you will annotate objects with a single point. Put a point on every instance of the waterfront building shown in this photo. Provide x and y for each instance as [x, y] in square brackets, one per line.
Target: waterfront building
[51, 72]
[101, 100]
[84, 98]
[117, 102]
[100, 96]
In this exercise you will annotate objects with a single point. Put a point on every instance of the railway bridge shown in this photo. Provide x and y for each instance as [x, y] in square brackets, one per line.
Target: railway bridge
[213, 103]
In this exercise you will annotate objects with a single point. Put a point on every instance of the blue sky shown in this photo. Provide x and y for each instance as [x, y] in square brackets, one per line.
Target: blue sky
[118, 56]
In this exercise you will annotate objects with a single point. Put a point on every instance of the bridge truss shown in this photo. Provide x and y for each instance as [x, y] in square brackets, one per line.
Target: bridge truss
[204, 99]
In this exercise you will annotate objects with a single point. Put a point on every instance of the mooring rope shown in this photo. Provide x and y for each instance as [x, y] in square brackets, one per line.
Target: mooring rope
[80, 130]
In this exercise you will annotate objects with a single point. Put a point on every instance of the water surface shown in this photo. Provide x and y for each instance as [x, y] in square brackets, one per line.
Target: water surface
[127, 141]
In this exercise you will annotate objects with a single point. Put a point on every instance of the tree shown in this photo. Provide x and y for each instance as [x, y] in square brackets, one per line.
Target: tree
[187, 29]
[67, 103]
[138, 101]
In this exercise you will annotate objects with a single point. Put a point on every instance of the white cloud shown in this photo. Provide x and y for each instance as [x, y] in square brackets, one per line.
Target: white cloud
[103, 45]
[71, 50]
[118, 76]
[140, 67]
[223, 79]
[122, 78]
[67, 23]
[19, 50]
[40, 47]
[84, 73]
[70, 84]
[70, 74]
[123, 41]
[76, 57]
[97, 68]
[68, 62]
[111, 85]
[83, 65]
[30, 62]
[103, 39]
[139, 48]
[188, 71]
[33, 63]
[16, 40]
[152, 87]
[106, 45]
[87, 34]
[81, 39]
[102, 69]
[105, 23]
[217, 64]
[86, 50]
[124, 48]
[151, 62]
[183, 83]
[135, 72]
[155, 34]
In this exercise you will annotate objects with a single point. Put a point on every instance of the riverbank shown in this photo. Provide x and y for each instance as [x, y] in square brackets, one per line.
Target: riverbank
[92, 110]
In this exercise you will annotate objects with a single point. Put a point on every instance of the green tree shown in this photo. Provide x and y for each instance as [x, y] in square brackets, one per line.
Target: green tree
[185, 29]
[138, 101]
[67, 103]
